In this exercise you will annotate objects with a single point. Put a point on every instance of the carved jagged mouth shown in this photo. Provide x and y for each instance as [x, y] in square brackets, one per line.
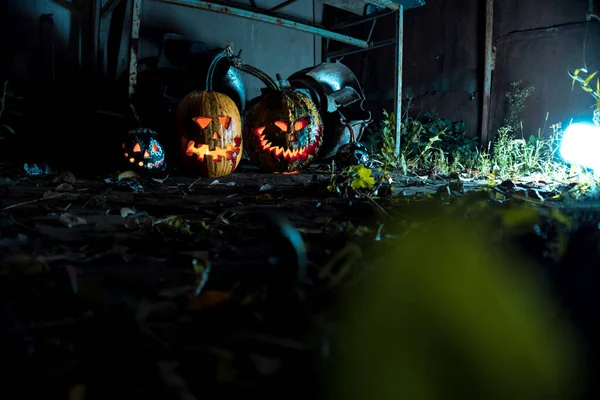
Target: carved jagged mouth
[230, 153]
[292, 155]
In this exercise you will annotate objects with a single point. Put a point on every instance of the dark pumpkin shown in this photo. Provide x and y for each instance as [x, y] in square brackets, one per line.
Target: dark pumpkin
[210, 131]
[142, 151]
[283, 131]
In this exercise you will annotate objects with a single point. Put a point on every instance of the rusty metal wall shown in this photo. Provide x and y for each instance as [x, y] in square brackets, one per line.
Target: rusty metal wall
[537, 45]
[443, 60]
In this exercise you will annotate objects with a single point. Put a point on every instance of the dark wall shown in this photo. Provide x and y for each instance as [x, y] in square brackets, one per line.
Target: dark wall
[537, 45]
[536, 42]
[440, 65]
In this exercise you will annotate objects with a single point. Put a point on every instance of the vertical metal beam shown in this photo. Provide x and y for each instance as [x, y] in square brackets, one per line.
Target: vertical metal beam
[487, 72]
[398, 97]
[136, 13]
[96, 18]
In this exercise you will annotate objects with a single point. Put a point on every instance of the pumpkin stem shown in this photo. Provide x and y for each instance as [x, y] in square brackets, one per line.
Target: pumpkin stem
[227, 52]
[213, 66]
[257, 73]
[135, 115]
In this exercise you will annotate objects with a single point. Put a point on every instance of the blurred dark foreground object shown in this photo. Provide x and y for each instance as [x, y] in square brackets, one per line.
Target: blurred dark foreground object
[447, 316]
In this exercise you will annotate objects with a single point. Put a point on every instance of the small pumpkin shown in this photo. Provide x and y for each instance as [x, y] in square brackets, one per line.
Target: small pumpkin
[283, 131]
[143, 152]
[210, 130]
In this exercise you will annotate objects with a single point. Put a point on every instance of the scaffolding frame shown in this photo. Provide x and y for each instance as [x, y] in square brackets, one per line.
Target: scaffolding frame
[103, 11]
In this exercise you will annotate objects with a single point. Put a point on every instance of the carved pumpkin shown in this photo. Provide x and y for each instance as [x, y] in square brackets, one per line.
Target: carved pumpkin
[210, 130]
[143, 152]
[283, 131]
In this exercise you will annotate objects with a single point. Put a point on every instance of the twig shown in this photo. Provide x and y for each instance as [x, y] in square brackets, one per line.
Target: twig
[193, 183]
[376, 205]
[32, 201]
[3, 99]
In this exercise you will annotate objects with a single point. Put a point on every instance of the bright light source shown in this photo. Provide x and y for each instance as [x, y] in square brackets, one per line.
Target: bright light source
[580, 145]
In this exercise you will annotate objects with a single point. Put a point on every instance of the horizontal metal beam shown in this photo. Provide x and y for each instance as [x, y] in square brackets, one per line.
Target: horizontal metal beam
[395, 4]
[391, 5]
[249, 13]
[347, 52]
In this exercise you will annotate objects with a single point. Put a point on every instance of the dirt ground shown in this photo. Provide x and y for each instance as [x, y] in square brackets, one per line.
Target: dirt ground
[125, 287]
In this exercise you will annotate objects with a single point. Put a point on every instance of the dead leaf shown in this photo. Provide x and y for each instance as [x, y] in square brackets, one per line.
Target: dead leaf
[265, 196]
[125, 211]
[64, 187]
[265, 187]
[160, 180]
[266, 366]
[128, 175]
[23, 264]
[209, 298]
[132, 224]
[176, 292]
[77, 392]
[65, 177]
[216, 182]
[199, 254]
[174, 381]
[70, 220]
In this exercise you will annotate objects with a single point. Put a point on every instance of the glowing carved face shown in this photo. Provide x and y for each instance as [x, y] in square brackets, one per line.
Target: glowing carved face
[284, 132]
[143, 151]
[210, 133]
[217, 149]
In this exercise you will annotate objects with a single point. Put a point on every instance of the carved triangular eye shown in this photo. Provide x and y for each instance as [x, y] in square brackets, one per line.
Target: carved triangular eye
[300, 124]
[154, 148]
[225, 121]
[137, 148]
[203, 121]
[216, 136]
[281, 125]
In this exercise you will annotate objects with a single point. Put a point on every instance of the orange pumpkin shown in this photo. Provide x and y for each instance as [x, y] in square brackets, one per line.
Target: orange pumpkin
[283, 131]
[210, 130]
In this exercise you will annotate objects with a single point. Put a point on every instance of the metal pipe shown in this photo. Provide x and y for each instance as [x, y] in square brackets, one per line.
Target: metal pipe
[346, 52]
[487, 72]
[136, 12]
[371, 31]
[398, 96]
[245, 12]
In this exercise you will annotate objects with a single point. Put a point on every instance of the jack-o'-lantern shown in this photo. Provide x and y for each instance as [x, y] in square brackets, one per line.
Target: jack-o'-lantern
[210, 130]
[143, 152]
[283, 131]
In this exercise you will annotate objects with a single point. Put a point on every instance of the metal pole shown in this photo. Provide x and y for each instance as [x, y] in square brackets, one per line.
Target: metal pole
[243, 12]
[487, 72]
[398, 96]
[136, 12]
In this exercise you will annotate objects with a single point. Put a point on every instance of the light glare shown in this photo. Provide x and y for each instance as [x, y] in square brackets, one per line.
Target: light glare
[580, 145]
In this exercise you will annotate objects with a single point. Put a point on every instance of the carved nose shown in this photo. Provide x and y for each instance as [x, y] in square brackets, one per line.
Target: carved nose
[292, 137]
